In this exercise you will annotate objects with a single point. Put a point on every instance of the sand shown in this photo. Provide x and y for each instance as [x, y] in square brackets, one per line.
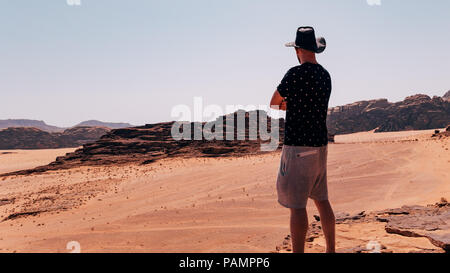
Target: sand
[16, 160]
[214, 204]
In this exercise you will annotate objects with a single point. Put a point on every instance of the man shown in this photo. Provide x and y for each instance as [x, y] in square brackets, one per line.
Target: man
[304, 93]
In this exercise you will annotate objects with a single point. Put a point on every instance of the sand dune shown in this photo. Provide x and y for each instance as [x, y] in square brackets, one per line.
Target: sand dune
[214, 204]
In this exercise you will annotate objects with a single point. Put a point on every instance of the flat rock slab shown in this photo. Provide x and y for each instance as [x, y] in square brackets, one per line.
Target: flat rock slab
[432, 222]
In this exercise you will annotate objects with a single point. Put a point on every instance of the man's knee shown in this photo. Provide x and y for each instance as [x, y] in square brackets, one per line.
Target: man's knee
[299, 212]
[322, 202]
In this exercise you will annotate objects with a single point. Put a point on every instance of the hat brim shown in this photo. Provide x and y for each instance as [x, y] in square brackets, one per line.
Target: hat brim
[321, 45]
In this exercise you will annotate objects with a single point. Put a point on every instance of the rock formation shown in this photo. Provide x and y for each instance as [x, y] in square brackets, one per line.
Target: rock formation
[151, 142]
[431, 222]
[416, 112]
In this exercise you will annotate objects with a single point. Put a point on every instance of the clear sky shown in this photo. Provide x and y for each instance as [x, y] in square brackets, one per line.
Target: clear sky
[133, 60]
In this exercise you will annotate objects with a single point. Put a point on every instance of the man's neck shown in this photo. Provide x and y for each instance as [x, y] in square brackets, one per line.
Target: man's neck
[308, 59]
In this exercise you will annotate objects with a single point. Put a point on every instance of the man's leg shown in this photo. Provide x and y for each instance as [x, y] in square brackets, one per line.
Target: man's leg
[299, 227]
[328, 223]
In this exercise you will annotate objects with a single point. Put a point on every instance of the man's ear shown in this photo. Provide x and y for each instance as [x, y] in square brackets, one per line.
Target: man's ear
[297, 52]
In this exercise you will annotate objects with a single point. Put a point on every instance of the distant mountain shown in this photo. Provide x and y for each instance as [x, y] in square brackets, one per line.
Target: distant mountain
[112, 125]
[418, 112]
[6, 123]
[446, 97]
[33, 138]
[39, 124]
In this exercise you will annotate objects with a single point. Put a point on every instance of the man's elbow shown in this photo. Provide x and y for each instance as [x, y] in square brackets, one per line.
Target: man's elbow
[274, 106]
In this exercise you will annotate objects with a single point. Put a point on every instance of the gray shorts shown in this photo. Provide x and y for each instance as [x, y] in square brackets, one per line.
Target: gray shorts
[302, 175]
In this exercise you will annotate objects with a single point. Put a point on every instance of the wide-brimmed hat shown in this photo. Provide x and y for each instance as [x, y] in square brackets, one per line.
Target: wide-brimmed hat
[306, 39]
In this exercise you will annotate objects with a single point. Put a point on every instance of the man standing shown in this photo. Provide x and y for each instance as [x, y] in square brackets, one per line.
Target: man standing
[304, 93]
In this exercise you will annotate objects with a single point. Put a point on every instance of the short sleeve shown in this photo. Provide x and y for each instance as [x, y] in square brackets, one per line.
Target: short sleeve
[287, 83]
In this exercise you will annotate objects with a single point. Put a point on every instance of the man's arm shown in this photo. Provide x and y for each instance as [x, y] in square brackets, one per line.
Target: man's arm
[278, 102]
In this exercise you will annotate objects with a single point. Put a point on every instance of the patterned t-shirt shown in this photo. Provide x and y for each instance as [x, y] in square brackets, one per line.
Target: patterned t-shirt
[307, 90]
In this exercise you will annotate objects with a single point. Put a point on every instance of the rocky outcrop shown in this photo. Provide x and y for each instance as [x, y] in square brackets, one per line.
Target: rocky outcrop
[77, 136]
[26, 138]
[442, 133]
[418, 112]
[33, 138]
[432, 222]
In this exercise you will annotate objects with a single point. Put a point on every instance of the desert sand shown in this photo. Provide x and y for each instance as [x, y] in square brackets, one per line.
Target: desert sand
[215, 204]
[15, 160]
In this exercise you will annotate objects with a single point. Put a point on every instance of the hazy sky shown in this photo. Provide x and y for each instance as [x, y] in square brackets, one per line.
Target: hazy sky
[133, 60]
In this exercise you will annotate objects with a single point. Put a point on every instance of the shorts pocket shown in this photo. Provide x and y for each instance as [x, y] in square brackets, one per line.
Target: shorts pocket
[284, 162]
[308, 153]
[283, 168]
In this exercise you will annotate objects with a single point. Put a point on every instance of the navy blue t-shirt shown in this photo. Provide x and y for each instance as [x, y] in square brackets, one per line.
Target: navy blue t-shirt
[307, 90]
